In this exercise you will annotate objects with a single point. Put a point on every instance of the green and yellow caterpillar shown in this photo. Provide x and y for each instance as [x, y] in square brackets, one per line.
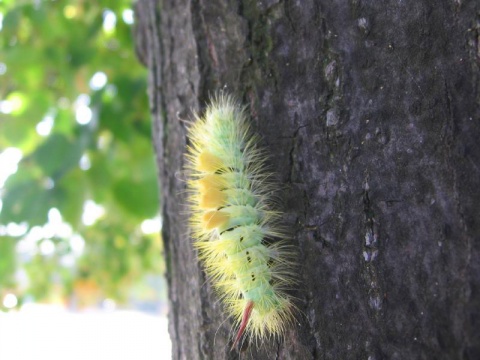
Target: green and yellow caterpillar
[234, 221]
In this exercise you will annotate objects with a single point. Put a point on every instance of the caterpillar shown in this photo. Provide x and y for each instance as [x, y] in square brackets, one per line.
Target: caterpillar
[234, 221]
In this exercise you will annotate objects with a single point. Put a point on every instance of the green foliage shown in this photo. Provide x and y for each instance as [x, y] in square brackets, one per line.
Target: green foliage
[82, 141]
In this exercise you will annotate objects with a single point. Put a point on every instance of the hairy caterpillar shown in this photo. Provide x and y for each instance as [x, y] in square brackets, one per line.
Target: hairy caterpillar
[234, 221]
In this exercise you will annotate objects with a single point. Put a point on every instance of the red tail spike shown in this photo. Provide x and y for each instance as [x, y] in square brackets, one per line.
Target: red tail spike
[246, 316]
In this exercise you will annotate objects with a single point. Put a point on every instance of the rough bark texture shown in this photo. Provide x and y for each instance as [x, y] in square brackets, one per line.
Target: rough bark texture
[370, 110]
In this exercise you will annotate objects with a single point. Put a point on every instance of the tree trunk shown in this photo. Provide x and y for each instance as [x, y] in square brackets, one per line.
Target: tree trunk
[370, 111]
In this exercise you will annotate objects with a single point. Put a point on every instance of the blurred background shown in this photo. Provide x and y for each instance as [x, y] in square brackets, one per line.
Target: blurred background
[81, 266]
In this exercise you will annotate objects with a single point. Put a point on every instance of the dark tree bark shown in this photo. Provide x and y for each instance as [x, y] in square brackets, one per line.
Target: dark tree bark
[370, 110]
